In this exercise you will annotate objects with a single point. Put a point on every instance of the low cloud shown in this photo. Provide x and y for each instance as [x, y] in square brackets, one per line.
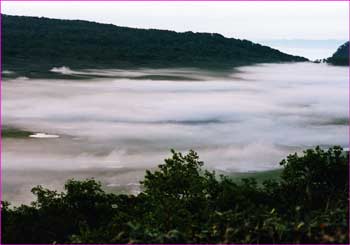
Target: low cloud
[241, 121]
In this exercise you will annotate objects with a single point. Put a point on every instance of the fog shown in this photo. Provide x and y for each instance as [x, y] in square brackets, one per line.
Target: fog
[116, 123]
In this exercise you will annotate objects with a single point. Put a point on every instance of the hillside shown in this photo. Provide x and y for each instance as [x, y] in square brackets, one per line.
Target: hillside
[32, 46]
[341, 56]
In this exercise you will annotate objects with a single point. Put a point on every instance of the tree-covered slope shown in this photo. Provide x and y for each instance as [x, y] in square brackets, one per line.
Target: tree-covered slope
[341, 56]
[34, 44]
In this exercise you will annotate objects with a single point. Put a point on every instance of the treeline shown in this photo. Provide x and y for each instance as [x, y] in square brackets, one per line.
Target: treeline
[341, 56]
[182, 203]
[34, 45]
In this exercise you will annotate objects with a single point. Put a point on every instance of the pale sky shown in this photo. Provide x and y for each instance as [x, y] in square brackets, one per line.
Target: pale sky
[245, 20]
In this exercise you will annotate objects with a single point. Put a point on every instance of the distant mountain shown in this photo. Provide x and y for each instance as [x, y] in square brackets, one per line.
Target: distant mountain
[314, 49]
[32, 46]
[341, 56]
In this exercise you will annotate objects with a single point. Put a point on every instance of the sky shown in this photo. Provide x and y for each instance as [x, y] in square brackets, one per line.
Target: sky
[255, 21]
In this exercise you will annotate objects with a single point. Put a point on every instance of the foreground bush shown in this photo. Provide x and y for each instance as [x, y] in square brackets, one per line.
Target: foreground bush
[181, 203]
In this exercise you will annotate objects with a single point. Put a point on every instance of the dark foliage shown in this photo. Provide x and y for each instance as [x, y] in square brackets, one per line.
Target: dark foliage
[32, 46]
[181, 203]
[341, 56]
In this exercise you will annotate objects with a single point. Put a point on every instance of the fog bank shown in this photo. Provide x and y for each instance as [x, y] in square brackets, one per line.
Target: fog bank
[246, 120]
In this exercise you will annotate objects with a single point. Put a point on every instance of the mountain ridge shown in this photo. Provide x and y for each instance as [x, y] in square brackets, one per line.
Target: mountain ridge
[33, 45]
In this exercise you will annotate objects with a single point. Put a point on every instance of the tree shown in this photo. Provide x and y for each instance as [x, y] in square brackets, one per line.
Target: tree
[182, 203]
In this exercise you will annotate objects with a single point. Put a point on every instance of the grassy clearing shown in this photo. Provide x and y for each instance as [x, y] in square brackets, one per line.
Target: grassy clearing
[259, 176]
[14, 133]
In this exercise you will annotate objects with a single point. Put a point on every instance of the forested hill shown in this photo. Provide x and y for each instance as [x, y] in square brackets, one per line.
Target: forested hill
[341, 56]
[33, 44]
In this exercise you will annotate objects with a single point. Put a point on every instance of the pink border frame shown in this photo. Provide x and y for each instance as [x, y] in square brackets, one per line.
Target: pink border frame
[175, 0]
[161, 1]
[0, 123]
